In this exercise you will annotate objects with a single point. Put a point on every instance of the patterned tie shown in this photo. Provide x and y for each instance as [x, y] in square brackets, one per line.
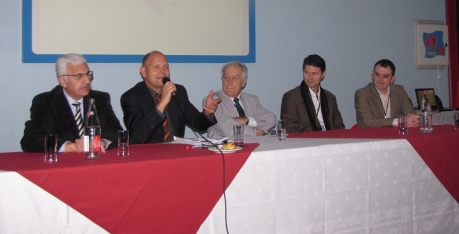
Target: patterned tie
[238, 106]
[167, 133]
[78, 119]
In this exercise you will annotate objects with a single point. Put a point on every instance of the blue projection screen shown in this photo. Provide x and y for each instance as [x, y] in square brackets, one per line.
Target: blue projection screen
[107, 31]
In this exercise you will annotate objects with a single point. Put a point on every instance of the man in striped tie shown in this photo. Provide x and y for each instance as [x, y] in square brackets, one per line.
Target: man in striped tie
[61, 111]
[155, 109]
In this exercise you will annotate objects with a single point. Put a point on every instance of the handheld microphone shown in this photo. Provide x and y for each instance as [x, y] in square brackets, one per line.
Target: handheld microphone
[165, 80]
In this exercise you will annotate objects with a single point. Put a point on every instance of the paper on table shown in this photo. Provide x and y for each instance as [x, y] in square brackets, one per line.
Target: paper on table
[197, 142]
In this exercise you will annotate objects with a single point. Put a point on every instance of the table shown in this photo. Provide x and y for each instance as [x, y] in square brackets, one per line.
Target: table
[313, 183]
[328, 182]
[153, 189]
[442, 118]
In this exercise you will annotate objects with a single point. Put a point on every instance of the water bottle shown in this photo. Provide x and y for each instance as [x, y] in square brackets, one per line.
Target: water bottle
[426, 115]
[92, 133]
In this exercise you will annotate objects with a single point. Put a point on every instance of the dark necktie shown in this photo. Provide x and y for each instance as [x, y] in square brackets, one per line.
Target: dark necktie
[167, 133]
[238, 106]
[78, 119]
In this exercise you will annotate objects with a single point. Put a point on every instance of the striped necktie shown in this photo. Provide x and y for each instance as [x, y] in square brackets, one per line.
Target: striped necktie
[78, 119]
[238, 106]
[167, 133]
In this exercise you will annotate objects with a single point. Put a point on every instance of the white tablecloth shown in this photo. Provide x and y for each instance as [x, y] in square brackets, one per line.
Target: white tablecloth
[443, 118]
[296, 186]
[335, 186]
[26, 208]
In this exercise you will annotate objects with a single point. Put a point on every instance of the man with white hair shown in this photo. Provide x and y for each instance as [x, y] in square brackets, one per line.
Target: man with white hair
[239, 107]
[61, 111]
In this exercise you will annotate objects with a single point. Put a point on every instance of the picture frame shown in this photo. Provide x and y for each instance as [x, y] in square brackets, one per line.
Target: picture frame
[430, 44]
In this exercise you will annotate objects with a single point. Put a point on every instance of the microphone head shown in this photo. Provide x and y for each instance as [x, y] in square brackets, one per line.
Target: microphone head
[166, 79]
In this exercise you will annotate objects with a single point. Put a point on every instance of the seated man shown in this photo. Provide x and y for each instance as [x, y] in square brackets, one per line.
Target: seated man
[381, 102]
[238, 107]
[155, 109]
[309, 107]
[61, 111]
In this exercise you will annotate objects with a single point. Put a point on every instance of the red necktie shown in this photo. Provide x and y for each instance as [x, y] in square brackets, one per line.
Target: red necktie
[167, 133]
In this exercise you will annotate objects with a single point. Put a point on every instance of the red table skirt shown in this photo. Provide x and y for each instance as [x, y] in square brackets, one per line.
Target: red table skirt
[159, 188]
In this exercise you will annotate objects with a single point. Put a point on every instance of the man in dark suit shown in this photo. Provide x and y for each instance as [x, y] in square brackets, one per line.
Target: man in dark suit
[152, 114]
[54, 112]
[309, 107]
[381, 102]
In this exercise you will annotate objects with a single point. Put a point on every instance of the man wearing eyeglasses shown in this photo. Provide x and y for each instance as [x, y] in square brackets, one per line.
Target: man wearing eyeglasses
[61, 111]
[237, 107]
[381, 102]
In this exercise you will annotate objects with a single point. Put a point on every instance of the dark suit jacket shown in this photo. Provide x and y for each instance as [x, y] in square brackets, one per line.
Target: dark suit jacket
[145, 124]
[293, 110]
[370, 112]
[51, 114]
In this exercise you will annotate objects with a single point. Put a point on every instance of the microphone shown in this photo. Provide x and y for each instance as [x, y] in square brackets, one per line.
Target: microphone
[165, 80]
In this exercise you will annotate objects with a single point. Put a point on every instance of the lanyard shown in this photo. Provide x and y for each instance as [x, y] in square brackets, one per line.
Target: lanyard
[318, 100]
[387, 105]
[318, 108]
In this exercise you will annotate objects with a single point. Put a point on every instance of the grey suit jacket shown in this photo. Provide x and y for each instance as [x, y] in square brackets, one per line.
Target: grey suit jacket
[293, 110]
[370, 112]
[226, 111]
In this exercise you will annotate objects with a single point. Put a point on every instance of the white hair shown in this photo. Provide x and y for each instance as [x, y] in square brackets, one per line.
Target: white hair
[62, 61]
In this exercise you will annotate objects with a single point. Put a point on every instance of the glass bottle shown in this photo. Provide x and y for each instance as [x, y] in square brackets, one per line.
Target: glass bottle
[92, 132]
[426, 115]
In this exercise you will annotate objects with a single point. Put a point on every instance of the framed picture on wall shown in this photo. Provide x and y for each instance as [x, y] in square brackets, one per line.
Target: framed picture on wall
[430, 44]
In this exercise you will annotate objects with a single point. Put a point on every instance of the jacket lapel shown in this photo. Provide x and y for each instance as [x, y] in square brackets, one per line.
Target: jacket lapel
[63, 109]
[394, 103]
[379, 106]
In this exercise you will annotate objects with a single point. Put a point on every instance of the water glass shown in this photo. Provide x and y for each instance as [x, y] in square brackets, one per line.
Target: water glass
[282, 134]
[238, 134]
[281, 131]
[456, 120]
[51, 148]
[402, 128]
[123, 143]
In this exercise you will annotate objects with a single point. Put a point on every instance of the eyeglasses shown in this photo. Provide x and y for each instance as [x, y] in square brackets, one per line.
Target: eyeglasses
[80, 76]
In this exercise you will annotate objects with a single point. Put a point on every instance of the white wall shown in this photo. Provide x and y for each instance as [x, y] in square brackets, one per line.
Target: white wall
[350, 35]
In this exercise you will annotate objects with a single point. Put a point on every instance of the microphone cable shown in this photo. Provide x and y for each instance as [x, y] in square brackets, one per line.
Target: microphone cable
[223, 162]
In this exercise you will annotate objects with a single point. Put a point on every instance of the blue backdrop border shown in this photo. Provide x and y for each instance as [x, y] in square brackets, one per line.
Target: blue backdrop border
[28, 56]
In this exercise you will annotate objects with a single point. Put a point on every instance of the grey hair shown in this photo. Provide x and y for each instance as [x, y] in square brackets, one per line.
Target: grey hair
[62, 61]
[245, 72]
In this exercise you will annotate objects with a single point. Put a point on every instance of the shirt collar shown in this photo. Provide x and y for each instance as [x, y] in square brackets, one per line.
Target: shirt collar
[386, 94]
[238, 97]
[313, 94]
[70, 100]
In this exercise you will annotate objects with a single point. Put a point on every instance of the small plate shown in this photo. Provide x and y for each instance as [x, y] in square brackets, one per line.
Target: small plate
[224, 151]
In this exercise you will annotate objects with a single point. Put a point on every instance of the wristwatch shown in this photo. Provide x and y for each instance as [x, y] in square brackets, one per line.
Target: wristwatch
[246, 121]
